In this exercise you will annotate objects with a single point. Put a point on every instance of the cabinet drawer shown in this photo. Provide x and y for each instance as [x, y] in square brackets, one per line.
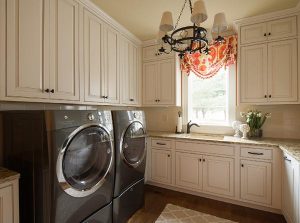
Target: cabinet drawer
[206, 148]
[161, 143]
[257, 153]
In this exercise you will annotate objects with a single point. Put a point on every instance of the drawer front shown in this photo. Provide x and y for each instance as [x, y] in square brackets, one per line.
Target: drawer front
[227, 150]
[257, 153]
[161, 143]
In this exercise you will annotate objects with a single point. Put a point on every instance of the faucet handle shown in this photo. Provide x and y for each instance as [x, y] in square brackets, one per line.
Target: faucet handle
[189, 122]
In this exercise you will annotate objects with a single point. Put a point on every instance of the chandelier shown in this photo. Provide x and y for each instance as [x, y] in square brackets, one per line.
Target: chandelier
[189, 39]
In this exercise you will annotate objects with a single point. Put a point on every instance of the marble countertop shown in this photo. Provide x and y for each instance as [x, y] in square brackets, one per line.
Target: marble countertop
[7, 175]
[291, 146]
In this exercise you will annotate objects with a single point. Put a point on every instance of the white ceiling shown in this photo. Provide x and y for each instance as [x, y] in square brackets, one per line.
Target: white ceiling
[142, 17]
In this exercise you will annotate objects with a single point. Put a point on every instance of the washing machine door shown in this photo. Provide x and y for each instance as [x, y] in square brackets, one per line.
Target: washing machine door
[85, 160]
[133, 145]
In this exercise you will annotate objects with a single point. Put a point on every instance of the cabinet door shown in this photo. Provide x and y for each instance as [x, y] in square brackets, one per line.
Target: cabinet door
[93, 58]
[253, 74]
[161, 166]
[129, 72]
[188, 170]
[282, 71]
[27, 48]
[64, 57]
[253, 33]
[6, 205]
[166, 83]
[218, 175]
[256, 181]
[111, 74]
[290, 189]
[282, 28]
[150, 75]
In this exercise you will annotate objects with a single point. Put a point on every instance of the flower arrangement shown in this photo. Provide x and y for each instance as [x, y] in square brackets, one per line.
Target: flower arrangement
[255, 119]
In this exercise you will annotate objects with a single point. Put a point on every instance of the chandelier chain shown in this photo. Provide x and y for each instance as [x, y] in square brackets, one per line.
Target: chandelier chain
[180, 15]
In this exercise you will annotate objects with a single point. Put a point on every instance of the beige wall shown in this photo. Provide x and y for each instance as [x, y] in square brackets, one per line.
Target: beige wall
[284, 123]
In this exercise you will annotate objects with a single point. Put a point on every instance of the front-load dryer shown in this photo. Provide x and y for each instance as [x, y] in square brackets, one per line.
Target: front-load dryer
[66, 161]
[130, 154]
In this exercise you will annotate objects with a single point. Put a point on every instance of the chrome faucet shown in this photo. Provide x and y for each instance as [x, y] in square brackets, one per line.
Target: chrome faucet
[189, 126]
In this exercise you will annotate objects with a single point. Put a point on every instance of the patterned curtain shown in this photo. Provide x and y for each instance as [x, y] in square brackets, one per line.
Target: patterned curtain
[206, 66]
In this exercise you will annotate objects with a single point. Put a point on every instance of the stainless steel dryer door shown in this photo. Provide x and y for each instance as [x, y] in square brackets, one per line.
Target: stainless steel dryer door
[85, 160]
[133, 145]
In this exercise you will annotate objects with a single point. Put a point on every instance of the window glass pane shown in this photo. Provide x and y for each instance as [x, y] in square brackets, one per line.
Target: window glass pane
[208, 98]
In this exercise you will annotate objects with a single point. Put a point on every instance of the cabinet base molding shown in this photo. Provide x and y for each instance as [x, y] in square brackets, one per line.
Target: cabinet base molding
[227, 200]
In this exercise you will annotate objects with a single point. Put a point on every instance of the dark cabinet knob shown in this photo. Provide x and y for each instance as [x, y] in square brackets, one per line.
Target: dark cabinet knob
[270, 96]
[203, 160]
[265, 96]
[52, 91]
[158, 100]
[242, 165]
[169, 155]
[131, 99]
[269, 34]
[47, 90]
[200, 160]
[265, 34]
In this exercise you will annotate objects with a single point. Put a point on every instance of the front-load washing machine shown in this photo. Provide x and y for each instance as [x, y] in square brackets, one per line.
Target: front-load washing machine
[66, 161]
[130, 154]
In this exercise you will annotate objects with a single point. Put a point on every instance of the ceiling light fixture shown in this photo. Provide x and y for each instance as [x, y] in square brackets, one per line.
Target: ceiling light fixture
[189, 39]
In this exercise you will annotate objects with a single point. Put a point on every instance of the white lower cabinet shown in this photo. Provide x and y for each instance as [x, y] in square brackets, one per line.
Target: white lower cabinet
[256, 181]
[290, 189]
[189, 170]
[9, 202]
[218, 175]
[161, 166]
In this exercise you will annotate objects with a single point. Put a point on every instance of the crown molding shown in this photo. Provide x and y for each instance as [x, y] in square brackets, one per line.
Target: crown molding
[108, 19]
[269, 16]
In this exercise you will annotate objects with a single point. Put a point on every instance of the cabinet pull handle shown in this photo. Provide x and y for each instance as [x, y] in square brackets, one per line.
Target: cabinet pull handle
[242, 165]
[160, 143]
[203, 160]
[270, 96]
[52, 91]
[269, 34]
[286, 159]
[169, 155]
[131, 99]
[266, 96]
[259, 154]
[47, 90]
[265, 34]
[158, 100]
[106, 97]
[200, 160]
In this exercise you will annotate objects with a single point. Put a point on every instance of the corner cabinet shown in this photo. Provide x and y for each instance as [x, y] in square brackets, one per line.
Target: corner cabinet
[161, 79]
[268, 62]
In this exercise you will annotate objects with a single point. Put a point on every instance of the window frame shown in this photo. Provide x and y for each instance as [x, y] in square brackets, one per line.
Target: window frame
[207, 127]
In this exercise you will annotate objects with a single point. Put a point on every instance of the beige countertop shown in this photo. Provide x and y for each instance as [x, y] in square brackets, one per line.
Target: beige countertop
[7, 175]
[290, 146]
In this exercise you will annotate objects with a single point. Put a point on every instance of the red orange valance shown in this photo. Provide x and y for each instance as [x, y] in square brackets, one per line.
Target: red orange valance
[206, 66]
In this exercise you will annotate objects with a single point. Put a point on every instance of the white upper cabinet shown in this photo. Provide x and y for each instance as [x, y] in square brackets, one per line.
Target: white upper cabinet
[111, 79]
[282, 71]
[254, 78]
[151, 53]
[27, 48]
[129, 72]
[93, 58]
[64, 51]
[160, 83]
[101, 61]
[268, 68]
[276, 29]
[254, 33]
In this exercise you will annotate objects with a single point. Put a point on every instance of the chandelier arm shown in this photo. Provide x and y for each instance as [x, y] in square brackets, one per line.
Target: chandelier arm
[191, 7]
[180, 15]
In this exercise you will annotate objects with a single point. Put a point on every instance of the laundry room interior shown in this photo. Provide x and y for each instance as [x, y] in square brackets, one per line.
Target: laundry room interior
[139, 111]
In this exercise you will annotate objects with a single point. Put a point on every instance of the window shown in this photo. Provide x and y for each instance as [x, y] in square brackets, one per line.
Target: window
[210, 102]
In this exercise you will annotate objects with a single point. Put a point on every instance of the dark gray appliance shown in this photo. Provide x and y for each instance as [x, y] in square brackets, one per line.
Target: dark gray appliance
[66, 161]
[130, 154]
